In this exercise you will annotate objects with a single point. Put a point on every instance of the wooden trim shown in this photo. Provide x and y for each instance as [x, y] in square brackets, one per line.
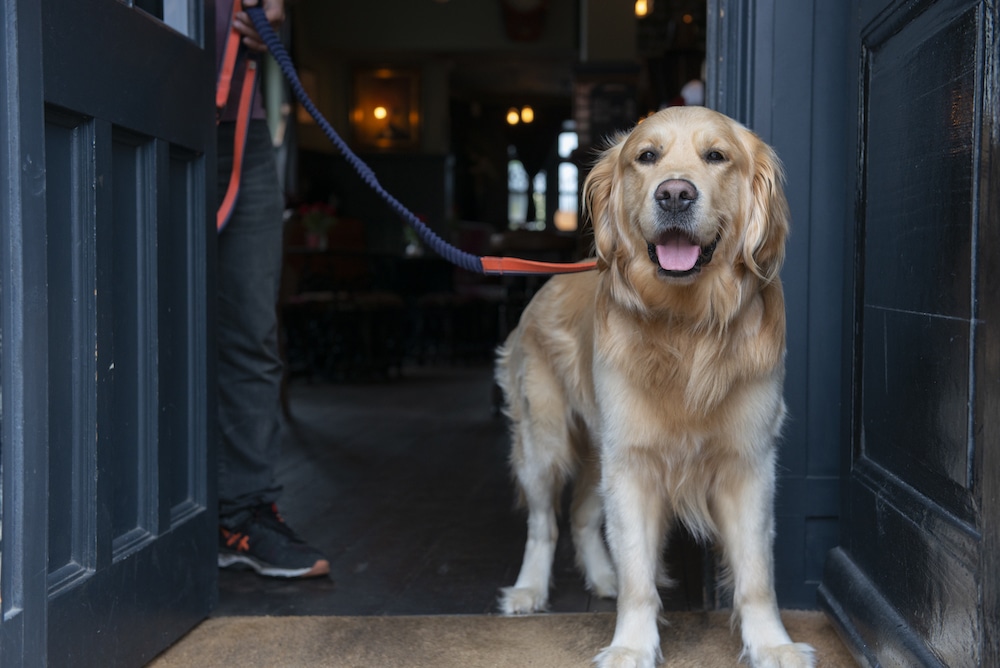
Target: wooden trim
[729, 57]
[867, 621]
[23, 352]
[986, 340]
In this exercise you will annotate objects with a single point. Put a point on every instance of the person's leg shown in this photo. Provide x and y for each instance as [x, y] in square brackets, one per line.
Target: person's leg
[250, 369]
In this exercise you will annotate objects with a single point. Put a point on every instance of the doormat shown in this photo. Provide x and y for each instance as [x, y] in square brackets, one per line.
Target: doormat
[689, 640]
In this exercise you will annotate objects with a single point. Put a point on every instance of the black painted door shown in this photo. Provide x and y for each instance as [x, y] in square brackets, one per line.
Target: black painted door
[108, 519]
[916, 579]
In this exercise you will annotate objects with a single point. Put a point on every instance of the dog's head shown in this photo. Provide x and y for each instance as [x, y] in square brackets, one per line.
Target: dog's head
[688, 196]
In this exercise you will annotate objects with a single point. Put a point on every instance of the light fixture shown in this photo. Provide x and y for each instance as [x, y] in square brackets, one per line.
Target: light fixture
[643, 8]
[527, 114]
[513, 118]
[380, 113]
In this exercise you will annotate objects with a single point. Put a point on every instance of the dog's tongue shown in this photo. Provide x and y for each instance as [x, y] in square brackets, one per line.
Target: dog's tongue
[678, 254]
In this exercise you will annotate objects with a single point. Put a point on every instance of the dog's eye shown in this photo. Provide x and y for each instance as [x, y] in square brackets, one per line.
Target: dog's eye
[647, 157]
[715, 156]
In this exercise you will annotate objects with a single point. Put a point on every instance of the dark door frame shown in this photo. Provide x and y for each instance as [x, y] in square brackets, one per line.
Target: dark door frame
[24, 330]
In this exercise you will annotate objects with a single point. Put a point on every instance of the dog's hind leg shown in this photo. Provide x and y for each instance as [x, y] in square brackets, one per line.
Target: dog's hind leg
[540, 488]
[587, 520]
[542, 461]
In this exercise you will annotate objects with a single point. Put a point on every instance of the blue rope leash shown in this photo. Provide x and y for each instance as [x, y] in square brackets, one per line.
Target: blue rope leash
[457, 257]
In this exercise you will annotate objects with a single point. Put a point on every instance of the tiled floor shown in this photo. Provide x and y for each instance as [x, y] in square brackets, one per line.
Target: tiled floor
[404, 484]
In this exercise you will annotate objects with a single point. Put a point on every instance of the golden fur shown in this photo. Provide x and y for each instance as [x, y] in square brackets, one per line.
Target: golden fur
[658, 390]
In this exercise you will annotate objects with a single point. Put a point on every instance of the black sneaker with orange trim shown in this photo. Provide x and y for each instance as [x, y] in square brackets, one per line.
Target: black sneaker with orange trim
[258, 538]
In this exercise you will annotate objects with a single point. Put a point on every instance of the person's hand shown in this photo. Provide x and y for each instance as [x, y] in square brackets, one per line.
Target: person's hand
[275, 12]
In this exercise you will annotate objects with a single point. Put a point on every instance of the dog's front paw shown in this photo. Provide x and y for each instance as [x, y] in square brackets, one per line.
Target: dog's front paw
[792, 655]
[624, 657]
[522, 600]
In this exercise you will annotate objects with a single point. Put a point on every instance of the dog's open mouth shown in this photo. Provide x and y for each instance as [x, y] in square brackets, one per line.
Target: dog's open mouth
[677, 254]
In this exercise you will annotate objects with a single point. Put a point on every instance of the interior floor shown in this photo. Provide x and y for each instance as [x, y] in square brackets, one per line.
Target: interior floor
[404, 484]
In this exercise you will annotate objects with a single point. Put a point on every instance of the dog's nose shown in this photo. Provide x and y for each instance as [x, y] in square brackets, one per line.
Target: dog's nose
[675, 195]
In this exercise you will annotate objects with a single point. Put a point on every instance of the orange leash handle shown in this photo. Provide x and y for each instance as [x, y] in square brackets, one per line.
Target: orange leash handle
[499, 266]
[225, 81]
[242, 128]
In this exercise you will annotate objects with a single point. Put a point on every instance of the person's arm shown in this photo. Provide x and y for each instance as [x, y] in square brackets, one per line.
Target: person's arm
[275, 12]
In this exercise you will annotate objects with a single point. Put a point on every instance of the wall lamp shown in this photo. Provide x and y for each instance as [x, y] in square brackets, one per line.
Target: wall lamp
[525, 115]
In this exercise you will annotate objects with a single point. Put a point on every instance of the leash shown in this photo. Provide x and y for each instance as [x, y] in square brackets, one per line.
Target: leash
[248, 88]
[489, 265]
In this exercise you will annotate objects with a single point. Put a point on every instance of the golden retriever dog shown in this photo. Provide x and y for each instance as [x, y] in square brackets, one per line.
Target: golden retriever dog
[655, 383]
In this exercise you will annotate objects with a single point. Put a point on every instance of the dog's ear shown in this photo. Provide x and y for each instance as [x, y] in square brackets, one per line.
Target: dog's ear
[599, 201]
[767, 222]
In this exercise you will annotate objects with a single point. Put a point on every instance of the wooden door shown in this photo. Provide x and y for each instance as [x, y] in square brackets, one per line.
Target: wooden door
[109, 520]
[915, 579]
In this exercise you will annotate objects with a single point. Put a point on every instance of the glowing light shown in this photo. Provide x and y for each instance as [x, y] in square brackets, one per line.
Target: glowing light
[527, 114]
[687, 18]
[513, 118]
[380, 113]
[643, 7]
[565, 221]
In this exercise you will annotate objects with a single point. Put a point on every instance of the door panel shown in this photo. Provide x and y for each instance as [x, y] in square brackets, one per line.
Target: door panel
[124, 514]
[919, 181]
[72, 362]
[907, 584]
[181, 337]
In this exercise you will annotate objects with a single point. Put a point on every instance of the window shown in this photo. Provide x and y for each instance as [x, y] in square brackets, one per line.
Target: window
[522, 189]
[517, 191]
[566, 218]
[538, 199]
[519, 194]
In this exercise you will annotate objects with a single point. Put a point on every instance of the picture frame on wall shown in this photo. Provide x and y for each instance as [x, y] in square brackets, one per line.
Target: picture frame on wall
[385, 113]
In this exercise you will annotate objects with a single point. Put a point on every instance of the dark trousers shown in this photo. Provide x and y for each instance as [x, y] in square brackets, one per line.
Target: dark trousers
[249, 364]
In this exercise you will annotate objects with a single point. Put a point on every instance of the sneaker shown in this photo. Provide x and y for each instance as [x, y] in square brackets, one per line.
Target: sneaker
[262, 541]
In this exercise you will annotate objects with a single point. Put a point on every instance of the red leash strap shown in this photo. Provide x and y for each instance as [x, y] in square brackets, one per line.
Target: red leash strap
[230, 61]
[225, 80]
[498, 266]
[242, 129]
